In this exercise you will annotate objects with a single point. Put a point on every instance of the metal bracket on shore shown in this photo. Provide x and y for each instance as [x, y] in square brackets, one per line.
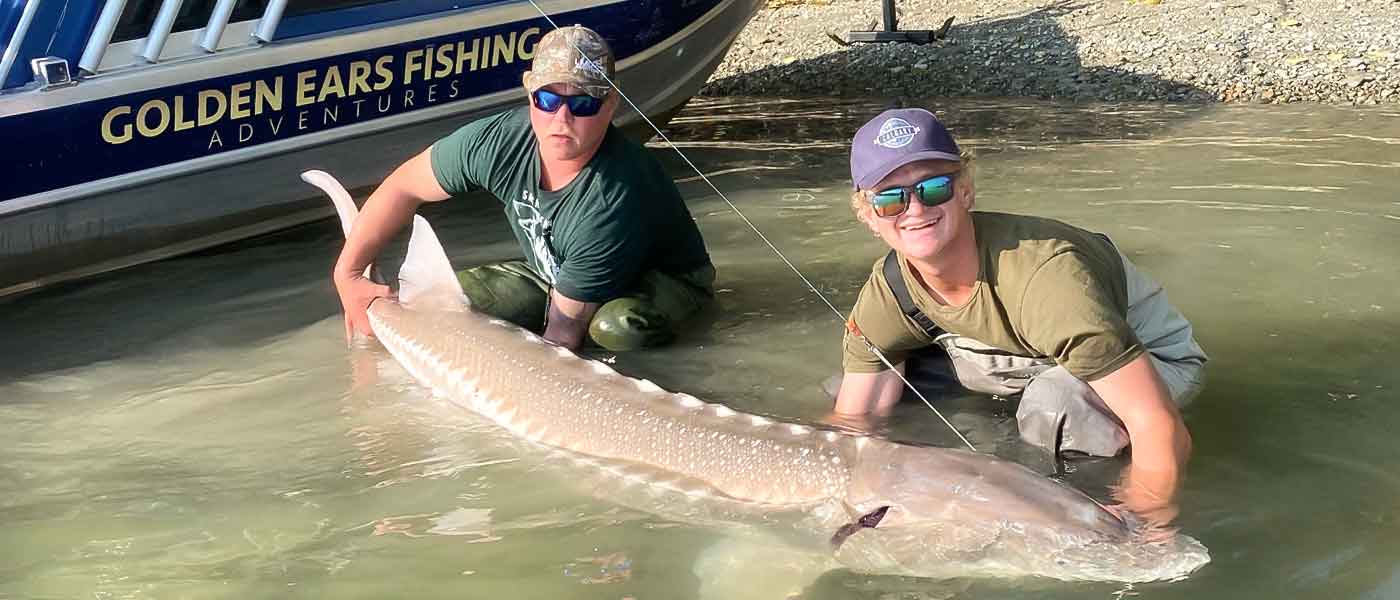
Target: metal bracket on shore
[892, 33]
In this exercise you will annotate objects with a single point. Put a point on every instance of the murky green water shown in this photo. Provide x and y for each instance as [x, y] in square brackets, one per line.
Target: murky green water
[198, 429]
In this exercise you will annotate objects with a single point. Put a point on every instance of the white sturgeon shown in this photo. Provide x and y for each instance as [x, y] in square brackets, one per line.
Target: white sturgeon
[898, 508]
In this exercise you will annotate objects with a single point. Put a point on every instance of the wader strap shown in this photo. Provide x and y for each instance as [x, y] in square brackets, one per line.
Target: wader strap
[895, 279]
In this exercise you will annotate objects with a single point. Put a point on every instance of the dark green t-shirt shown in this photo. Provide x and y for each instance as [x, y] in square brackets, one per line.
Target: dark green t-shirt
[621, 217]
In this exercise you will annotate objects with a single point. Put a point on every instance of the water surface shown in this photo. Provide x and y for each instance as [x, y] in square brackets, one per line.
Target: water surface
[197, 428]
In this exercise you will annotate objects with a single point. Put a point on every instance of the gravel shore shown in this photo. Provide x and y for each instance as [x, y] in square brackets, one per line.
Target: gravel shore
[1279, 51]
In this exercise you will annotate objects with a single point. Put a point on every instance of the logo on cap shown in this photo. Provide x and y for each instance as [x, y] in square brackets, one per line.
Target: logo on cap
[896, 133]
[587, 65]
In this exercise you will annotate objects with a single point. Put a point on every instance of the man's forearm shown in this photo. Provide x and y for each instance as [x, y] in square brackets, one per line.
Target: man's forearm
[383, 215]
[568, 319]
[863, 393]
[1158, 460]
[386, 212]
[1161, 445]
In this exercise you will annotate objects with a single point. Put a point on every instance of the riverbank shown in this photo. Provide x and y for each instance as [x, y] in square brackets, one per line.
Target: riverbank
[1329, 51]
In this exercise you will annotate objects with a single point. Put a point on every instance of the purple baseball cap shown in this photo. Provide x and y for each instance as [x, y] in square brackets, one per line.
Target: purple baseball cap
[896, 138]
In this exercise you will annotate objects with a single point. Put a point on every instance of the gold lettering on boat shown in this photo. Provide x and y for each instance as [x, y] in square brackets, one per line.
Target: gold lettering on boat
[329, 88]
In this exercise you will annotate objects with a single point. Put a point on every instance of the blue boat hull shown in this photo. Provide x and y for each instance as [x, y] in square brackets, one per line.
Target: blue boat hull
[111, 177]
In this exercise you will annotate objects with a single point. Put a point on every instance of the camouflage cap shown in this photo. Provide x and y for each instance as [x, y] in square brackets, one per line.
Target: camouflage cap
[558, 60]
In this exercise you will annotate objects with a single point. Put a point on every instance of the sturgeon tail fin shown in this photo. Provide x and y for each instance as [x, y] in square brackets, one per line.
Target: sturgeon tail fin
[344, 205]
[426, 278]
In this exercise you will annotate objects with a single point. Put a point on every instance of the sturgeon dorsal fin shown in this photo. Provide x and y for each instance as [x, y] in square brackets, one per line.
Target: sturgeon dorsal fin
[426, 279]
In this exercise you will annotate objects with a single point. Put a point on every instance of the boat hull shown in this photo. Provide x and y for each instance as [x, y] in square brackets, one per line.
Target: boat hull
[55, 232]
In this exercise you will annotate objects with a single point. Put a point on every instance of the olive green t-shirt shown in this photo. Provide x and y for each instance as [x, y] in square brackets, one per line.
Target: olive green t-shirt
[592, 240]
[1045, 289]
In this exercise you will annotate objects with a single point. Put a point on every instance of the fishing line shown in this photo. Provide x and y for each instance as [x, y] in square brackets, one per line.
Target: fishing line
[839, 317]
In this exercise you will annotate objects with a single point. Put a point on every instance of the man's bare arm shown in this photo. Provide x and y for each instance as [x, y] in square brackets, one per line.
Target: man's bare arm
[383, 215]
[864, 393]
[1161, 445]
[568, 320]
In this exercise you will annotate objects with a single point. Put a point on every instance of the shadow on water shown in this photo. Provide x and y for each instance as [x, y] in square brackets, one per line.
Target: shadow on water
[1027, 55]
[140, 311]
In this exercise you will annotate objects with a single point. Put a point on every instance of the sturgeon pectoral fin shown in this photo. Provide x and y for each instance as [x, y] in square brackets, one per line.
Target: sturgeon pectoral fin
[868, 520]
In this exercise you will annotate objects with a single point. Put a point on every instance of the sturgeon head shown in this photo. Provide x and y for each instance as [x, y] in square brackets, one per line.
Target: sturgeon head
[936, 512]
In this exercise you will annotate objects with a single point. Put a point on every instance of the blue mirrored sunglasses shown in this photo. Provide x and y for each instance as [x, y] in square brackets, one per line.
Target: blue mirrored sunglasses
[930, 192]
[581, 105]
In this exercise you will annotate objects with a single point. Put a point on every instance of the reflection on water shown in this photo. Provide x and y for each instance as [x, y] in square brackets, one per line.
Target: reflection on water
[197, 428]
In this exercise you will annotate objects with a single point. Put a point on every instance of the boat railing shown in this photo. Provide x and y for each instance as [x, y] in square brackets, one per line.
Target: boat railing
[17, 39]
[101, 36]
[159, 33]
[160, 30]
[132, 34]
[218, 20]
[267, 25]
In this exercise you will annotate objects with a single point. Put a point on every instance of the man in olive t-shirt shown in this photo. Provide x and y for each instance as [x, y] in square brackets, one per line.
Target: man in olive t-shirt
[1014, 305]
[611, 252]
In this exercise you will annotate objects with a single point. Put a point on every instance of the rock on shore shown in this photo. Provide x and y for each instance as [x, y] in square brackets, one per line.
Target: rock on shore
[1333, 51]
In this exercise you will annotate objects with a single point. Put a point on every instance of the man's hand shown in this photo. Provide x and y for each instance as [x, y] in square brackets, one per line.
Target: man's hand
[385, 212]
[866, 423]
[1149, 498]
[356, 293]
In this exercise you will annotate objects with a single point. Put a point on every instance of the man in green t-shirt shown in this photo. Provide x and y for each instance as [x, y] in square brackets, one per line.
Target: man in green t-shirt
[1012, 304]
[611, 251]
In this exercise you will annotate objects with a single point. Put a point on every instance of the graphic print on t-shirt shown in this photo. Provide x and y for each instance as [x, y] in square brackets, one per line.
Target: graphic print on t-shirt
[536, 227]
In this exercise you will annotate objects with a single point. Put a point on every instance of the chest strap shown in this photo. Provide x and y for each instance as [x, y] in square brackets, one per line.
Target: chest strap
[895, 279]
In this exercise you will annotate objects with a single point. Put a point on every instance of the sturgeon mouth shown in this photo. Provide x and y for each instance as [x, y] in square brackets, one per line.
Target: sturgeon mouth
[868, 520]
